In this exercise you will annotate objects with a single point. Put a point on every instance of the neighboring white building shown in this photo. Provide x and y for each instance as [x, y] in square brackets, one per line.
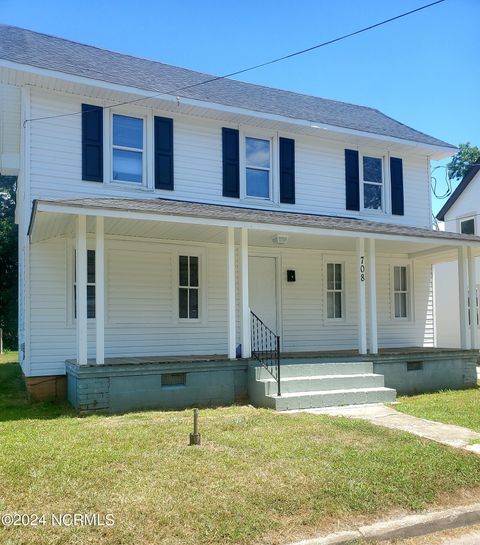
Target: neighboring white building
[176, 206]
[460, 214]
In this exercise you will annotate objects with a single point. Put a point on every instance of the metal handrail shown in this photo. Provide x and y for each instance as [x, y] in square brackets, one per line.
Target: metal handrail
[266, 348]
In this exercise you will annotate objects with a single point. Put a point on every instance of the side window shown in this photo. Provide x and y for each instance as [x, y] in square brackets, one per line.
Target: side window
[400, 291]
[467, 226]
[90, 284]
[335, 296]
[188, 287]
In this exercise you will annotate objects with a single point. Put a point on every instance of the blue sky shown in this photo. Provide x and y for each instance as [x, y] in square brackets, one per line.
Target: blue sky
[421, 70]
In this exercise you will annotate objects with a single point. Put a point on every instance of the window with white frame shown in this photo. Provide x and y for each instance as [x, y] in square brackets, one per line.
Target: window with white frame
[188, 287]
[90, 284]
[467, 226]
[128, 149]
[258, 167]
[335, 291]
[400, 291]
[372, 183]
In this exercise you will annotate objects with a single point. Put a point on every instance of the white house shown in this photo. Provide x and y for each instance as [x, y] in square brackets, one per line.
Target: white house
[460, 214]
[186, 240]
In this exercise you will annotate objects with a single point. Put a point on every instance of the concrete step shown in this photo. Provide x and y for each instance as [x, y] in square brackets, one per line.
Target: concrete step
[323, 383]
[331, 398]
[314, 369]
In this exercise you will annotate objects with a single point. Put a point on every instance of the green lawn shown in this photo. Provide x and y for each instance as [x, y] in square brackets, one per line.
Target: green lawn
[259, 476]
[460, 407]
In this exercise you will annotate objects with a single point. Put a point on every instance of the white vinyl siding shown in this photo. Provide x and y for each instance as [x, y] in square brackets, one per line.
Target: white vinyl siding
[319, 166]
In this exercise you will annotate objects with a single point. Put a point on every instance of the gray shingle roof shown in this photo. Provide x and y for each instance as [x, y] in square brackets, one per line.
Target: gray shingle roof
[250, 215]
[43, 51]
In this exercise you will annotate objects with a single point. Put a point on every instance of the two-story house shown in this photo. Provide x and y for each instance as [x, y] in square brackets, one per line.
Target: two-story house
[459, 214]
[187, 240]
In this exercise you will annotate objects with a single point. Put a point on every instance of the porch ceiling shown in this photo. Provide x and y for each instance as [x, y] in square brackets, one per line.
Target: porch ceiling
[48, 225]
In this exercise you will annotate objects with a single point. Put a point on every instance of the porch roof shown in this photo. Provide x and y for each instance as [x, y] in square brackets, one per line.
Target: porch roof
[236, 216]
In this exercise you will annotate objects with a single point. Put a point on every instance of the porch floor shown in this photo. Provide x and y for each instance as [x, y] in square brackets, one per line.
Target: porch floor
[328, 354]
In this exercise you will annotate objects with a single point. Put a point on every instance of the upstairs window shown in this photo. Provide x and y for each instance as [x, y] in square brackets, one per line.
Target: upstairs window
[400, 291]
[467, 226]
[128, 149]
[334, 291]
[258, 167]
[188, 287]
[372, 182]
[90, 284]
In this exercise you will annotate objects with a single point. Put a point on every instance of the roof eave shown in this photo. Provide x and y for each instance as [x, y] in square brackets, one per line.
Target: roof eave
[435, 152]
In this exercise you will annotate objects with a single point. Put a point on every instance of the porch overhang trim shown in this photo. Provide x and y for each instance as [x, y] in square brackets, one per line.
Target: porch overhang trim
[364, 229]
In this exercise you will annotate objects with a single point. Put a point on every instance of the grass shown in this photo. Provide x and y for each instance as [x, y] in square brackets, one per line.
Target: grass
[259, 476]
[459, 407]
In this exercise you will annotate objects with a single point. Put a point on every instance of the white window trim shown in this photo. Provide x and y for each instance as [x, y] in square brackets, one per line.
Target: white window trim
[410, 296]
[274, 188]
[202, 286]
[336, 260]
[385, 175]
[148, 151]
[462, 219]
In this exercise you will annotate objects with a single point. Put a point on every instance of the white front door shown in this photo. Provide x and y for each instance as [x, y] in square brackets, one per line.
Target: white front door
[262, 280]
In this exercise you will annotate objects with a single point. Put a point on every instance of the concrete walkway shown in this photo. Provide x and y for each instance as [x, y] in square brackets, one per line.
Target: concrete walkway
[381, 415]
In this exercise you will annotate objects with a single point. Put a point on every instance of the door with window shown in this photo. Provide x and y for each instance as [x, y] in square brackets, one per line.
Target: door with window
[262, 280]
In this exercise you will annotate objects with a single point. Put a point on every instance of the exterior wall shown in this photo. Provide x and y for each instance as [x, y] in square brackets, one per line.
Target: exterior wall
[320, 176]
[9, 129]
[141, 318]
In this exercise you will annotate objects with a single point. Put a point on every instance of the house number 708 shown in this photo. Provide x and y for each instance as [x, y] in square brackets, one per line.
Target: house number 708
[362, 268]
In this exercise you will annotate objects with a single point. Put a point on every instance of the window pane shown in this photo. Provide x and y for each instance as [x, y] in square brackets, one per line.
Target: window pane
[193, 303]
[194, 271]
[258, 152]
[467, 227]
[396, 278]
[338, 304]
[91, 266]
[258, 183]
[330, 304]
[183, 302]
[127, 131]
[90, 301]
[338, 276]
[127, 166]
[403, 305]
[372, 169]
[330, 276]
[183, 270]
[403, 283]
[372, 196]
[397, 305]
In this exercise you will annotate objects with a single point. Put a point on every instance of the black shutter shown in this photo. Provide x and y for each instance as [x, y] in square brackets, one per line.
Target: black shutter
[163, 137]
[396, 177]
[287, 170]
[231, 163]
[352, 180]
[92, 143]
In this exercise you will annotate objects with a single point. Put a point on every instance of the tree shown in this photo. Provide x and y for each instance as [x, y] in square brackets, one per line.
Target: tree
[466, 156]
[8, 262]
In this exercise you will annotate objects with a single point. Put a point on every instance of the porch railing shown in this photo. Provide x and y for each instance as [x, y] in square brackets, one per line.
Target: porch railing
[266, 348]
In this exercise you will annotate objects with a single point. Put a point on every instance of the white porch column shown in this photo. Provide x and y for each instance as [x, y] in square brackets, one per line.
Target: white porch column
[472, 293]
[230, 243]
[463, 297]
[244, 302]
[81, 290]
[372, 296]
[362, 308]
[100, 290]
